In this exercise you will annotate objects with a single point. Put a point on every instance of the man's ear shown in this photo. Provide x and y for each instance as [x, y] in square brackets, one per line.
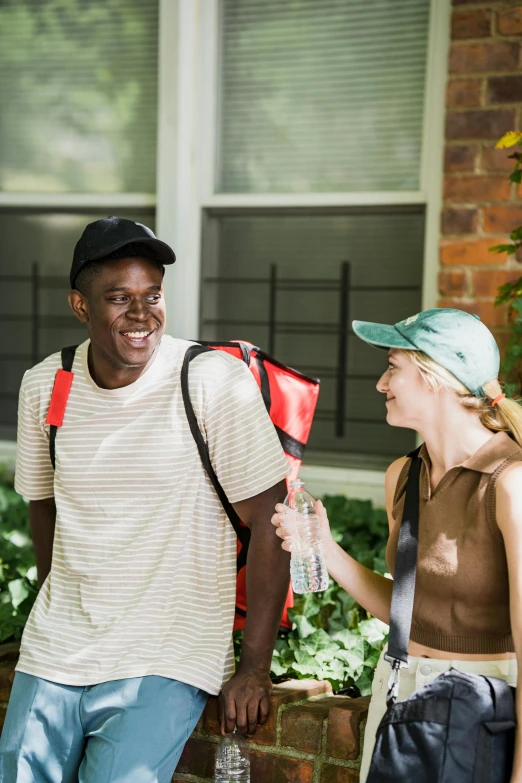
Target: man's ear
[79, 305]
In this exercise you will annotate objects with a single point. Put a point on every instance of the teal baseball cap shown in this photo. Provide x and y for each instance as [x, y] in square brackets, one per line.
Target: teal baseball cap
[456, 340]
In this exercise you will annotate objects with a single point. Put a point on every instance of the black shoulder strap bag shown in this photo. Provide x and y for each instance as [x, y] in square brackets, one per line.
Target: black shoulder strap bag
[458, 729]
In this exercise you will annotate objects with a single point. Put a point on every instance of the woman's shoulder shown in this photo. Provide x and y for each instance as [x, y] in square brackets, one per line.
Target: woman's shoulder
[510, 479]
[392, 480]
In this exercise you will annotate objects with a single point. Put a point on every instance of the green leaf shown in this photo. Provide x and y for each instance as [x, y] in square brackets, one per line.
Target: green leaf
[317, 641]
[277, 669]
[349, 640]
[373, 658]
[19, 591]
[516, 235]
[305, 663]
[373, 630]
[509, 249]
[354, 658]
[303, 625]
[364, 682]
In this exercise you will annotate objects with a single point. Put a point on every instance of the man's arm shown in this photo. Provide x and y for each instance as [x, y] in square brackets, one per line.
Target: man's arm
[245, 698]
[42, 518]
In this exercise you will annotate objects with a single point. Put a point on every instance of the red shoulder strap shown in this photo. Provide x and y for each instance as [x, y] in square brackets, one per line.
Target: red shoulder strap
[59, 397]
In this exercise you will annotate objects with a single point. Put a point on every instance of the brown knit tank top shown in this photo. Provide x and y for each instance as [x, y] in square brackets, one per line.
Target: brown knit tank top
[462, 588]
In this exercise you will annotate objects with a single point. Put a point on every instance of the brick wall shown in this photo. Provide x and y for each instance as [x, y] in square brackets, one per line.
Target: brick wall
[481, 206]
[311, 736]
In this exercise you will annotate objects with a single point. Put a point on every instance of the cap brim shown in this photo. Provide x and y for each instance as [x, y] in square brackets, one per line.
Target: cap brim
[381, 335]
[165, 253]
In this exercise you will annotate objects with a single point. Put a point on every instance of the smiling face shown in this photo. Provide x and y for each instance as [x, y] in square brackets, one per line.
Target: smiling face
[409, 400]
[124, 312]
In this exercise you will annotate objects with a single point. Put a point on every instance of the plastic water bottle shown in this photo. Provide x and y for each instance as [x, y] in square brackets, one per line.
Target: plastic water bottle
[307, 565]
[233, 760]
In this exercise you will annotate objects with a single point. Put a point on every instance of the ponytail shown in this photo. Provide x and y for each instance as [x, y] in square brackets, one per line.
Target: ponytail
[505, 416]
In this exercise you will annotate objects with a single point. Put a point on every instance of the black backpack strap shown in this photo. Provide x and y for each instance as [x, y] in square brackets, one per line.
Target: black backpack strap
[265, 383]
[242, 532]
[403, 593]
[67, 363]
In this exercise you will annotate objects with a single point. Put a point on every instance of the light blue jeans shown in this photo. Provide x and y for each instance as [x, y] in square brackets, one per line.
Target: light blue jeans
[123, 731]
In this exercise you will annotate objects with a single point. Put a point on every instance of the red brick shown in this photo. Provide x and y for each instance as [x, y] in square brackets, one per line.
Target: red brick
[198, 758]
[497, 160]
[460, 158]
[476, 189]
[509, 21]
[479, 124]
[470, 252]
[459, 221]
[489, 314]
[452, 283]
[471, 24]
[284, 693]
[463, 92]
[302, 726]
[343, 740]
[487, 283]
[6, 679]
[336, 774]
[501, 220]
[478, 57]
[505, 89]
[268, 768]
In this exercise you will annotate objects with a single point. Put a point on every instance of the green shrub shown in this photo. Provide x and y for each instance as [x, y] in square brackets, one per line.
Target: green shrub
[334, 638]
[18, 586]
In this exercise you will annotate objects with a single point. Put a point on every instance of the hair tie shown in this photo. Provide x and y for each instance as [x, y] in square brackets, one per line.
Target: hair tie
[497, 399]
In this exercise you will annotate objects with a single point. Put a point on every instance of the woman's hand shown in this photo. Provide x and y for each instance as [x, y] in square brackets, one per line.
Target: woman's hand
[286, 530]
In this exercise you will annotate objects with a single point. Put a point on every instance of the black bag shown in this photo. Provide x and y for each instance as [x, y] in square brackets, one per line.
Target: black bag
[458, 729]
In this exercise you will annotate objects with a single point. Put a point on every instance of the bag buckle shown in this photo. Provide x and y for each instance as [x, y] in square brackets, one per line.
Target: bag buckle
[395, 676]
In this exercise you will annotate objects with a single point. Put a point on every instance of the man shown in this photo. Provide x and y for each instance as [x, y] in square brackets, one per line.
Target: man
[132, 627]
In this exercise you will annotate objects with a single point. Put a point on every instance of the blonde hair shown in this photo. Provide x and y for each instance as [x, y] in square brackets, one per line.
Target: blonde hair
[505, 416]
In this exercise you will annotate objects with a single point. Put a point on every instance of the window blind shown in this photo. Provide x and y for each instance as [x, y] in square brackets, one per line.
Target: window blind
[78, 95]
[321, 96]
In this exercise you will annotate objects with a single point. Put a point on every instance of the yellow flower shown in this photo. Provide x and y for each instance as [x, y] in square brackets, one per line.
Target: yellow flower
[509, 139]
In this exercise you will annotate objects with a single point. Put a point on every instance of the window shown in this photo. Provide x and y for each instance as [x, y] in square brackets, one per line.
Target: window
[36, 250]
[78, 117]
[321, 99]
[321, 96]
[78, 89]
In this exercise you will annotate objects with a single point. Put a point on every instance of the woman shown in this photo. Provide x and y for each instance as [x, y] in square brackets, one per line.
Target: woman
[442, 382]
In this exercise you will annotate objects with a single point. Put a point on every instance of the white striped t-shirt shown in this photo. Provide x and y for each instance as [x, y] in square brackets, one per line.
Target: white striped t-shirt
[143, 572]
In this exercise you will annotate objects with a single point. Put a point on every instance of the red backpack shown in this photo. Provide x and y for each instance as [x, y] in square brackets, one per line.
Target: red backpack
[290, 399]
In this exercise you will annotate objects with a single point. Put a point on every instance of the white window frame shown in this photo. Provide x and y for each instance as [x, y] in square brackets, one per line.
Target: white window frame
[189, 186]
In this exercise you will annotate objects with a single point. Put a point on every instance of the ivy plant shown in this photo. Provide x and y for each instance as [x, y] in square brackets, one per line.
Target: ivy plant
[18, 585]
[510, 294]
[333, 637]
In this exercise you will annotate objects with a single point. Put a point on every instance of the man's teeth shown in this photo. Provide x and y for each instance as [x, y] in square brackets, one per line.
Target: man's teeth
[136, 335]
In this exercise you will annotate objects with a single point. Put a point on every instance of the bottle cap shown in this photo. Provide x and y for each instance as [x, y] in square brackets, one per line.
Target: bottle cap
[296, 484]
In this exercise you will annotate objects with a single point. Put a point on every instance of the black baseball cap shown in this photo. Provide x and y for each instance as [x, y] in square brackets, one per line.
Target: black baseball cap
[103, 237]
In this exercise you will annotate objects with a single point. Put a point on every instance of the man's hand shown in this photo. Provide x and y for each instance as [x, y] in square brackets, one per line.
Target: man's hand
[245, 701]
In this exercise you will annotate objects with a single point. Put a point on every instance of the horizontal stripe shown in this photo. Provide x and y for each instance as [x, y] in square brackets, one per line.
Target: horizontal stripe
[143, 575]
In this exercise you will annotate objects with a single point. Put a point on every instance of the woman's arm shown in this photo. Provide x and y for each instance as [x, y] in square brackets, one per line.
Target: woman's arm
[369, 589]
[509, 520]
